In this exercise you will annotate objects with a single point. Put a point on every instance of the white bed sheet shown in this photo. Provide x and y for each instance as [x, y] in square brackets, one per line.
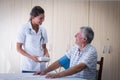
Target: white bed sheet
[30, 76]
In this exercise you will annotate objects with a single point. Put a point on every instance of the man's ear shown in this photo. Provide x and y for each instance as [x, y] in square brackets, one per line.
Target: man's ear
[85, 39]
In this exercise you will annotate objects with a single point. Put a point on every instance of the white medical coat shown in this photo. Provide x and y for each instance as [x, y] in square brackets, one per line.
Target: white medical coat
[32, 44]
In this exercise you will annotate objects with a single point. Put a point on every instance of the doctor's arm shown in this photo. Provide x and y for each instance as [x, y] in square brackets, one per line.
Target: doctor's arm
[24, 53]
[45, 50]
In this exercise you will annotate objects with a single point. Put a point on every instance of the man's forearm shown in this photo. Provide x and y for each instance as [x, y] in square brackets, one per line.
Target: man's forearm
[72, 70]
[52, 67]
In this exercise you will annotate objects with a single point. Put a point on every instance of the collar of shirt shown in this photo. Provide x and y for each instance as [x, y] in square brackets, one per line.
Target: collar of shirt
[84, 49]
[30, 27]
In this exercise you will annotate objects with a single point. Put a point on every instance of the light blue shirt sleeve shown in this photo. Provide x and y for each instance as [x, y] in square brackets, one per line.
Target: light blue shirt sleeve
[21, 35]
[70, 51]
[90, 58]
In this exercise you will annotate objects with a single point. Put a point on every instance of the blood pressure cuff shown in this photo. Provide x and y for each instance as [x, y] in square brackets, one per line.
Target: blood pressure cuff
[64, 62]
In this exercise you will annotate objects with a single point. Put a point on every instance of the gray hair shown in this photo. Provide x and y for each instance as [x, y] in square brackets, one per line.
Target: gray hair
[88, 32]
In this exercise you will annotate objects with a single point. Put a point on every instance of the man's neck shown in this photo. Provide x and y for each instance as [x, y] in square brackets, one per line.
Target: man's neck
[81, 46]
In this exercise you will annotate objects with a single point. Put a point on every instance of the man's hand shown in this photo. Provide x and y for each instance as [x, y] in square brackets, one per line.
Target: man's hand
[55, 75]
[40, 73]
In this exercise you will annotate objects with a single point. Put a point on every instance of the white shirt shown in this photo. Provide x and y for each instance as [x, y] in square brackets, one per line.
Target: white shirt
[32, 44]
[88, 56]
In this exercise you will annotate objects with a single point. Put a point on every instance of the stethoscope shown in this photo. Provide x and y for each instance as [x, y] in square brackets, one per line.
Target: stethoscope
[41, 38]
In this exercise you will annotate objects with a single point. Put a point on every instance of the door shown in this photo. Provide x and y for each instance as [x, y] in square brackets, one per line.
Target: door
[105, 18]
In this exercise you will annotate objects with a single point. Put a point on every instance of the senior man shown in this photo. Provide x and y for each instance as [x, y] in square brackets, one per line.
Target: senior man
[81, 59]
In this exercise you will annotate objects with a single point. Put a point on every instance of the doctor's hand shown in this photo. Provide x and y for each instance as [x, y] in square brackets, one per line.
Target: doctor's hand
[55, 75]
[47, 55]
[35, 58]
[40, 73]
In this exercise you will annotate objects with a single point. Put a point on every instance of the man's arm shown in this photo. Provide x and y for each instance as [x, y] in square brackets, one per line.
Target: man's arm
[70, 71]
[73, 70]
[52, 67]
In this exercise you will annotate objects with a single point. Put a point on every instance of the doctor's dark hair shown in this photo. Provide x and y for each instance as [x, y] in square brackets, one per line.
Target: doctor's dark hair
[88, 32]
[36, 11]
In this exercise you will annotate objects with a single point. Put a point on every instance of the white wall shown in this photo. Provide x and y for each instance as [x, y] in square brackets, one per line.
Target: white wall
[62, 20]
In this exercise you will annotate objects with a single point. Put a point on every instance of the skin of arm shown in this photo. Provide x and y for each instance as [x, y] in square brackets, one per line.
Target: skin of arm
[21, 51]
[70, 71]
[52, 67]
[45, 50]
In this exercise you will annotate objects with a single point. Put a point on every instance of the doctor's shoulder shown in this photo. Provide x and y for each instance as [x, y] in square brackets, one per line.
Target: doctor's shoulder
[25, 26]
[42, 28]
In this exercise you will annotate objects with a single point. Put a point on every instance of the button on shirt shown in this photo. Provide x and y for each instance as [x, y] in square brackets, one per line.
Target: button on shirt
[32, 44]
[88, 56]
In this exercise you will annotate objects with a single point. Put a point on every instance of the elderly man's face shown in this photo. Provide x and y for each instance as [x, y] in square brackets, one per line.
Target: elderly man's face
[79, 38]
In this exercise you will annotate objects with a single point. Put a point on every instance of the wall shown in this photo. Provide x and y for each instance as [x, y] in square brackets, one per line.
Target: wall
[62, 20]
[105, 18]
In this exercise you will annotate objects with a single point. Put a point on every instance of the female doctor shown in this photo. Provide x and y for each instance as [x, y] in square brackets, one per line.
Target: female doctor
[31, 42]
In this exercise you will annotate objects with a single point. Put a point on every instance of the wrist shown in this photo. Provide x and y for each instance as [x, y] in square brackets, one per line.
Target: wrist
[60, 74]
[45, 71]
[30, 56]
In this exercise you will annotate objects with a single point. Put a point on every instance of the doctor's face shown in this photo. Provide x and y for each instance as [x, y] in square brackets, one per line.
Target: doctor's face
[38, 19]
[80, 38]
